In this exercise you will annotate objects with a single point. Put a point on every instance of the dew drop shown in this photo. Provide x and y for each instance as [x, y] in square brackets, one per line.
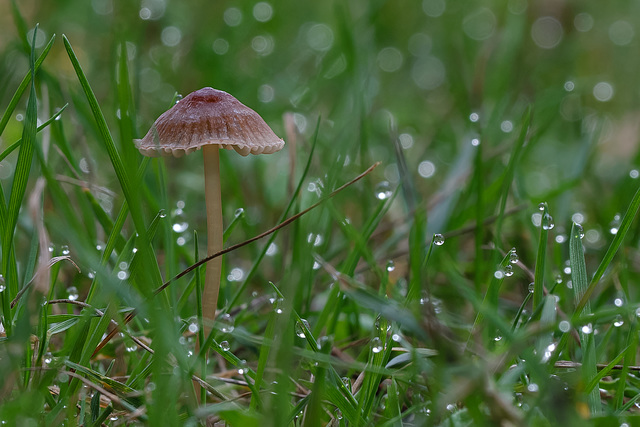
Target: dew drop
[564, 326]
[226, 323]
[239, 212]
[508, 270]
[272, 249]
[438, 239]
[513, 256]
[65, 250]
[614, 225]
[279, 303]
[532, 388]
[52, 248]
[131, 348]
[162, 213]
[300, 328]
[498, 274]
[180, 227]
[193, 327]
[531, 287]
[383, 190]
[243, 369]
[579, 231]
[587, 329]
[72, 292]
[474, 117]
[391, 265]
[618, 321]
[48, 358]
[224, 345]
[618, 302]
[547, 222]
[541, 206]
[376, 345]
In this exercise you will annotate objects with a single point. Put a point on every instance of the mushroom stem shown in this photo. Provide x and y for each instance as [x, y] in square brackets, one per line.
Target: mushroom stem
[214, 234]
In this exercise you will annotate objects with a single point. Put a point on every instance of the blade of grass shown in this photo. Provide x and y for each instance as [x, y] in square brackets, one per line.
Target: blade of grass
[538, 287]
[579, 280]
[625, 224]
[151, 272]
[23, 86]
[18, 189]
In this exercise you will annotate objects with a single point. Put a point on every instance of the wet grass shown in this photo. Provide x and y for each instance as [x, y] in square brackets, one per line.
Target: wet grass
[482, 274]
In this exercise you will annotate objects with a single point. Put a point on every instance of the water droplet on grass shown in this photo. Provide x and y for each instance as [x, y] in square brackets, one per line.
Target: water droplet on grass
[224, 345]
[531, 287]
[279, 303]
[438, 239]
[239, 212]
[65, 250]
[48, 358]
[180, 227]
[383, 190]
[587, 329]
[376, 345]
[300, 328]
[226, 323]
[513, 256]
[579, 231]
[391, 265]
[508, 270]
[162, 213]
[72, 293]
[547, 222]
[618, 321]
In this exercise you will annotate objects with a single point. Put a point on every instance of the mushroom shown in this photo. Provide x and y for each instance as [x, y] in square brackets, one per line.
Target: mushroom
[210, 119]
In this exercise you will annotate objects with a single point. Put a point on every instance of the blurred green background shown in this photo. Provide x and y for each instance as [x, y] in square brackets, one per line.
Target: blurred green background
[422, 67]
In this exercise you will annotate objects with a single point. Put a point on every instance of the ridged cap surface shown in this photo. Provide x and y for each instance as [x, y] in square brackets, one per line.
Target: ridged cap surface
[208, 116]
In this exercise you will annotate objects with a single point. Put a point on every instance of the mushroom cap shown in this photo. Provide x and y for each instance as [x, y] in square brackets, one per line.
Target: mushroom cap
[208, 117]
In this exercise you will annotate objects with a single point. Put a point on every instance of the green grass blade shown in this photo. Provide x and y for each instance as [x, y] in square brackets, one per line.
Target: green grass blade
[23, 86]
[538, 289]
[579, 279]
[625, 224]
[18, 189]
[152, 272]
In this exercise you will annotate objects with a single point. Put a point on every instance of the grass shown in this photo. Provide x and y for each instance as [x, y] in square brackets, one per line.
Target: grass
[482, 274]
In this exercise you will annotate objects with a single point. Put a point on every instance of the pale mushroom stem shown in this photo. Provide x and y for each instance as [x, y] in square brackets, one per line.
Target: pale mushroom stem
[214, 234]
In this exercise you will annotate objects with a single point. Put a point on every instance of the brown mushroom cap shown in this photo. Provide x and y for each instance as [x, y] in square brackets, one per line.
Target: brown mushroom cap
[208, 116]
